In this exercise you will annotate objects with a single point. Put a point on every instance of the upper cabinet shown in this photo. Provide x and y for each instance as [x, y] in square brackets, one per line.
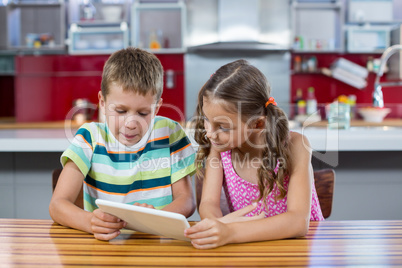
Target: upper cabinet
[159, 26]
[318, 26]
[98, 12]
[369, 25]
[33, 26]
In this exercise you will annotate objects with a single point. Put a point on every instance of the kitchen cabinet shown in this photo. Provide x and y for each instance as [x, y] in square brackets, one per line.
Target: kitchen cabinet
[46, 86]
[318, 26]
[158, 26]
[27, 26]
[97, 40]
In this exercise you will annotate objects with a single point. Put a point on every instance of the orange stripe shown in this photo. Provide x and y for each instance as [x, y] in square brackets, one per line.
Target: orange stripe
[133, 191]
[180, 149]
[86, 141]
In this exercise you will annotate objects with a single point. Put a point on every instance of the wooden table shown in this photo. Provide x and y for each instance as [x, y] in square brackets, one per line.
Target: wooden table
[41, 243]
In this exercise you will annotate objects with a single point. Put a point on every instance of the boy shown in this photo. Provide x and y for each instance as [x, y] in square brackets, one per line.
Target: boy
[135, 157]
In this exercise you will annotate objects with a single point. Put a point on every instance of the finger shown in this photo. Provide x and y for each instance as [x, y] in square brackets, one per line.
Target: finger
[106, 217]
[245, 210]
[201, 226]
[203, 246]
[103, 230]
[109, 236]
[144, 205]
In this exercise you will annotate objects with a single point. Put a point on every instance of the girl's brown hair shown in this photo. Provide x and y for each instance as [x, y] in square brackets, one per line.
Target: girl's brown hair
[246, 90]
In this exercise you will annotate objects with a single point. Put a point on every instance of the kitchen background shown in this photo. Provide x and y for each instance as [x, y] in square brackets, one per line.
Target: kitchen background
[52, 54]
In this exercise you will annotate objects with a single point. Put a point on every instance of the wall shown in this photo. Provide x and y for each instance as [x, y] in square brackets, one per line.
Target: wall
[200, 66]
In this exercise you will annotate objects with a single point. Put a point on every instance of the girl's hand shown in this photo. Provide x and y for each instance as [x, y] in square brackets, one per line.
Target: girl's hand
[209, 233]
[238, 215]
[105, 226]
[212, 233]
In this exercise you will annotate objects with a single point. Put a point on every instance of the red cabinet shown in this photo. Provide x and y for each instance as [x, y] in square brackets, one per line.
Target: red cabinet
[46, 85]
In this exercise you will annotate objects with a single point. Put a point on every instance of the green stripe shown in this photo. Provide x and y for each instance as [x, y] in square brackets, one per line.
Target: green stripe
[157, 202]
[147, 175]
[178, 135]
[82, 161]
[190, 170]
[176, 167]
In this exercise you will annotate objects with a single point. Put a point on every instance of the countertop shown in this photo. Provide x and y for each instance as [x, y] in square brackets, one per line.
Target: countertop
[56, 137]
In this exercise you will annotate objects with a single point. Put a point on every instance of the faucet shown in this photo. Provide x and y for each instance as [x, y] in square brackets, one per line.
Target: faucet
[378, 99]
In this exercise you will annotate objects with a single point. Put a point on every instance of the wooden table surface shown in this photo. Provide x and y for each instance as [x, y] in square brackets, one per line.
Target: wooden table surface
[41, 243]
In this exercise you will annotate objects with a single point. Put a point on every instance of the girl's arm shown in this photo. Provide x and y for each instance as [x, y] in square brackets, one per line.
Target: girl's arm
[212, 233]
[212, 187]
[63, 210]
[183, 197]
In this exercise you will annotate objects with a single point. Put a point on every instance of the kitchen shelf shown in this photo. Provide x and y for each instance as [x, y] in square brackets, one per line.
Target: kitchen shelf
[32, 20]
[318, 25]
[97, 40]
[150, 31]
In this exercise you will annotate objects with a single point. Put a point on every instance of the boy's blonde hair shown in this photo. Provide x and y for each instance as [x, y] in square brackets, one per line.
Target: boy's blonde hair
[135, 70]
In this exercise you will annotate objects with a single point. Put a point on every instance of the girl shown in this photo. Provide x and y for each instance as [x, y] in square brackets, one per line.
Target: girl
[247, 148]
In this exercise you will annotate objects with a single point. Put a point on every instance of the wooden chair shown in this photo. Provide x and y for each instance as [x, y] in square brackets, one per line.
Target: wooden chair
[324, 184]
[324, 180]
[55, 177]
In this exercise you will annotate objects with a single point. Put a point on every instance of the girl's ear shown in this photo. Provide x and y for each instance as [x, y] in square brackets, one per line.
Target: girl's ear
[259, 123]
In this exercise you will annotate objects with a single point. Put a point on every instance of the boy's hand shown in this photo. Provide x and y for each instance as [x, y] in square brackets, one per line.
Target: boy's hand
[209, 233]
[239, 215]
[105, 226]
[143, 205]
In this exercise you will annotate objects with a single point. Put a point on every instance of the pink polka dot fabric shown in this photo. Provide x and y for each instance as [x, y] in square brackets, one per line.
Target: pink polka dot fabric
[241, 193]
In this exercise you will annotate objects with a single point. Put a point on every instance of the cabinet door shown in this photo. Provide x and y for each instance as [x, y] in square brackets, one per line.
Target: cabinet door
[173, 90]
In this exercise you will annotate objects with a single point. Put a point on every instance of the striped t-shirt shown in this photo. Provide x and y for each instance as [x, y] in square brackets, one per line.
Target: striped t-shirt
[141, 173]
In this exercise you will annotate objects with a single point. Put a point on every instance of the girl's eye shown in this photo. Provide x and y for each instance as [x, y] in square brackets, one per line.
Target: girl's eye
[120, 111]
[223, 129]
[143, 114]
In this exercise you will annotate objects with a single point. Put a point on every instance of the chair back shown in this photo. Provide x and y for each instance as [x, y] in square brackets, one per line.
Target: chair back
[324, 180]
[55, 177]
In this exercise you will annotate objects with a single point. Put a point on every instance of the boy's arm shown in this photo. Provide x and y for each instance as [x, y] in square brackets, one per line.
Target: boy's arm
[212, 187]
[63, 210]
[183, 197]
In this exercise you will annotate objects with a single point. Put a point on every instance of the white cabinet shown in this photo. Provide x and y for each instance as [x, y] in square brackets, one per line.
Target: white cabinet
[318, 26]
[158, 26]
[97, 40]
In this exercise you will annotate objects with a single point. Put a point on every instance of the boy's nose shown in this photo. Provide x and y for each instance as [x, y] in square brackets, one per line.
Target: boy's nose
[130, 123]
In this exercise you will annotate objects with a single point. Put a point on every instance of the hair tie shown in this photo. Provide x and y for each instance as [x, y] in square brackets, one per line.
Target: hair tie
[271, 100]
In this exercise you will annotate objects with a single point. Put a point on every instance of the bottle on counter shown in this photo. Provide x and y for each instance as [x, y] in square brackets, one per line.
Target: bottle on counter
[311, 101]
[299, 97]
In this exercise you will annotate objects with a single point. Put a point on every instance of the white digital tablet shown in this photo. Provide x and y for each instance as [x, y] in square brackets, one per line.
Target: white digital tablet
[147, 220]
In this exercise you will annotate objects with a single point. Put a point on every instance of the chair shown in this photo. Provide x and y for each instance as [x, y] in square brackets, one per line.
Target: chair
[324, 180]
[55, 177]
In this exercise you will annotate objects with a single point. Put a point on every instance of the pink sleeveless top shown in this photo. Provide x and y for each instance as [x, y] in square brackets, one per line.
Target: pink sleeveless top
[240, 193]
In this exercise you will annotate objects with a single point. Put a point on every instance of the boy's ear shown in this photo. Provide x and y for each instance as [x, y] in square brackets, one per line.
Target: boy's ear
[101, 101]
[158, 105]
